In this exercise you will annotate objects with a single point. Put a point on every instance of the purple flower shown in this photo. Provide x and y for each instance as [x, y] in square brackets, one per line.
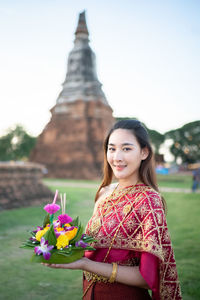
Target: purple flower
[70, 228]
[64, 219]
[33, 239]
[52, 208]
[39, 228]
[81, 243]
[44, 249]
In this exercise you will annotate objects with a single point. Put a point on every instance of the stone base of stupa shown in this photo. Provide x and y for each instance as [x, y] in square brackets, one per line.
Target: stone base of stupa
[71, 145]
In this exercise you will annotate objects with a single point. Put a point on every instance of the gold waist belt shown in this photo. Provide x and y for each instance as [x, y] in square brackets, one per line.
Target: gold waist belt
[92, 276]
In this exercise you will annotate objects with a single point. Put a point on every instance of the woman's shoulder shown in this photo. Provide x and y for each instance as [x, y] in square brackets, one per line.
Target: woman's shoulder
[149, 194]
[106, 191]
[144, 188]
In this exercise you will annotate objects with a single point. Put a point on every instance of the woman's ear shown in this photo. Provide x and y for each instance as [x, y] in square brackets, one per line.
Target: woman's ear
[145, 153]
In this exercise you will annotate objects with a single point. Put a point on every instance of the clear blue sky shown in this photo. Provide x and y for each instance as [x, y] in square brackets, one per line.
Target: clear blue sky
[148, 58]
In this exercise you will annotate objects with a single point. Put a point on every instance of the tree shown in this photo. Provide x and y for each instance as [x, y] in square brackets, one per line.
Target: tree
[156, 139]
[16, 144]
[186, 142]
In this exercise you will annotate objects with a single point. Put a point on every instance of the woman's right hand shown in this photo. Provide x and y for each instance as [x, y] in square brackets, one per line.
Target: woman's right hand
[76, 265]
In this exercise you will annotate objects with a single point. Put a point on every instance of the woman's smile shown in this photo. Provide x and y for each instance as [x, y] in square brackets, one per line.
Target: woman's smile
[119, 167]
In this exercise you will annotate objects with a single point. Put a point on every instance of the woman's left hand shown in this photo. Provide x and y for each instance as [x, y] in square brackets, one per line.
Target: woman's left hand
[76, 265]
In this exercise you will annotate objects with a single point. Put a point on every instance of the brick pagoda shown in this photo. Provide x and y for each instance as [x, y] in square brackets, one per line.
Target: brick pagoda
[70, 145]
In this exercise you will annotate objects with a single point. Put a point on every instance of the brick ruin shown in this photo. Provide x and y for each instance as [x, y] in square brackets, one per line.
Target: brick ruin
[21, 185]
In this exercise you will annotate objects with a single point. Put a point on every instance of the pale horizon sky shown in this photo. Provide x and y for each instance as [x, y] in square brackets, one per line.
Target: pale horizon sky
[147, 53]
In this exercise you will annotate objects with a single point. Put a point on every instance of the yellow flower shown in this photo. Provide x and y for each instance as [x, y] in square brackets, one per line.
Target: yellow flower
[62, 241]
[71, 234]
[59, 229]
[67, 225]
[40, 233]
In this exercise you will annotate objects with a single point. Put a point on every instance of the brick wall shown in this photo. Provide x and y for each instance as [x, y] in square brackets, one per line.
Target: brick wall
[21, 185]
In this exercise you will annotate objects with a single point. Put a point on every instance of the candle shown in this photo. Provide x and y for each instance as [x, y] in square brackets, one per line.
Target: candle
[55, 197]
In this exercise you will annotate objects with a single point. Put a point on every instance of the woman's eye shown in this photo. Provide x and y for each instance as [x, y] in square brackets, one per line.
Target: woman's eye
[111, 149]
[126, 149]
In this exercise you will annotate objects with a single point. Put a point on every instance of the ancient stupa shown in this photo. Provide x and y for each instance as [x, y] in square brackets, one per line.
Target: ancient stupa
[70, 145]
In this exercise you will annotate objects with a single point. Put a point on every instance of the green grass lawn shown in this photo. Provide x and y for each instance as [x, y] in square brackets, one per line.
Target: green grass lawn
[175, 181]
[172, 180]
[21, 279]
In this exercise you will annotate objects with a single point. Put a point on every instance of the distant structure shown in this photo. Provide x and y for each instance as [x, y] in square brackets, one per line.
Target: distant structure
[21, 185]
[70, 145]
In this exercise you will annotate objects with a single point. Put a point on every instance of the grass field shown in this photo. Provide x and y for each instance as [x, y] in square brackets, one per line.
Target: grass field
[172, 180]
[22, 280]
[175, 181]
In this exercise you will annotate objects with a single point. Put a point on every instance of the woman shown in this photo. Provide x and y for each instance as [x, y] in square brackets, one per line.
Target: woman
[133, 248]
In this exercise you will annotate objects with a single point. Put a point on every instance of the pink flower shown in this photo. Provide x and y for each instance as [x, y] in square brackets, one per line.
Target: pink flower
[64, 219]
[52, 208]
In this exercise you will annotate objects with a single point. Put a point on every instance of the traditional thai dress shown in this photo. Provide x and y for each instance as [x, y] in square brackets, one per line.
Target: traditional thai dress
[130, 229]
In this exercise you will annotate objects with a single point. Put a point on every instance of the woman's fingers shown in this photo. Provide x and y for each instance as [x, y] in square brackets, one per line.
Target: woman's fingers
[76, 265]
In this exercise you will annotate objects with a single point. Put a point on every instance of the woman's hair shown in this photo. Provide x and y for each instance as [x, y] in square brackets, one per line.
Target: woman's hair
[147, 172]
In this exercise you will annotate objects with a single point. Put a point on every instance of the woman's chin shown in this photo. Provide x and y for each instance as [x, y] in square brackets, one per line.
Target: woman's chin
[120, 175]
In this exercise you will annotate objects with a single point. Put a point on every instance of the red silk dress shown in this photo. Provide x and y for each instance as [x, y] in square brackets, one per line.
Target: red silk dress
[130, 228]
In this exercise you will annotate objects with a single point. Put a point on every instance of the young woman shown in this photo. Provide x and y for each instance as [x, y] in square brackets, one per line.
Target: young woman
[133, 248]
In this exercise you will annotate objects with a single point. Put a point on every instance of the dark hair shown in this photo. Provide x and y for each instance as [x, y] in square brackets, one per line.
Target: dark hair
[147, 172]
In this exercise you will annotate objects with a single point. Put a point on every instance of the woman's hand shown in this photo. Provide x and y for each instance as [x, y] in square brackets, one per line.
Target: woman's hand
[76, 265]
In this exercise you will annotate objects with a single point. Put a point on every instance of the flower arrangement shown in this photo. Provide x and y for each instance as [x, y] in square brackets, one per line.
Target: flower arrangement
[59, 240]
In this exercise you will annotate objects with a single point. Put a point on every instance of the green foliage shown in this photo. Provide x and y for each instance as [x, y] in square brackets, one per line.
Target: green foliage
[16, 144]
[186, 142]
[50, 236]
[156, 139]
[59, 257]
[46, 220]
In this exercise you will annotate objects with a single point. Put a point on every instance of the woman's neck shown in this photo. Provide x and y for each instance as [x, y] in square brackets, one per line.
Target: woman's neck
[125, 183]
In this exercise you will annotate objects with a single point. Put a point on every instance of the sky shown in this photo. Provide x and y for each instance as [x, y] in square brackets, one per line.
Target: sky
[147, 53]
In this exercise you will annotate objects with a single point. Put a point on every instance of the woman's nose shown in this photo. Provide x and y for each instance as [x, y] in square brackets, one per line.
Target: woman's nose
[118, 155]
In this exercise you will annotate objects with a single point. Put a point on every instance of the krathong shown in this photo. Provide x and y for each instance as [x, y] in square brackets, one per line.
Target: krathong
[59, 240]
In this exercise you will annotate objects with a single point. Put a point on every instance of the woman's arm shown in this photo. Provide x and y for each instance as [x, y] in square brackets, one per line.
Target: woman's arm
[125, 274]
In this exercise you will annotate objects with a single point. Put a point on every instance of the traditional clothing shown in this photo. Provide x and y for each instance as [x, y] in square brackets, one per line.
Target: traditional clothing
[130, 229]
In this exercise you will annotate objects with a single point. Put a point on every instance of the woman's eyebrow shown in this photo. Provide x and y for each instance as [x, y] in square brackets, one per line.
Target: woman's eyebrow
[124, 144]
[127, 144]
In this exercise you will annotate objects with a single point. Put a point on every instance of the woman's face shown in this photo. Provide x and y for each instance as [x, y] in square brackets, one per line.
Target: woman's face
[124, 155]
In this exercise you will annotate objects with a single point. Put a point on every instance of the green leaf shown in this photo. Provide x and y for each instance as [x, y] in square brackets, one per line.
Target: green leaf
[65, 251]
[57, 258]
[89, 248]
[50, 236]
[29, 244]
[78, 235]
[75, 222]
[89, 239]
[27, 247]
[46, 220]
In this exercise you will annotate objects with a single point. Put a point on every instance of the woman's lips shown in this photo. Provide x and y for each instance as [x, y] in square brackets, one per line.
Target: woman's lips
[119, 168]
